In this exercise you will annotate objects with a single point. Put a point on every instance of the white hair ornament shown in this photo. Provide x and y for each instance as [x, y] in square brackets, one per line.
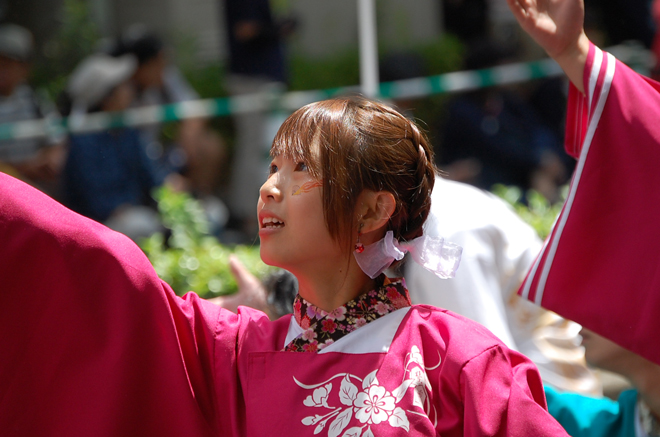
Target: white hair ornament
[434, 254]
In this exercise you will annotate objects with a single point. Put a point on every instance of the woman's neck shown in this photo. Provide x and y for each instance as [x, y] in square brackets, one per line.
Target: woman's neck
[329, 288]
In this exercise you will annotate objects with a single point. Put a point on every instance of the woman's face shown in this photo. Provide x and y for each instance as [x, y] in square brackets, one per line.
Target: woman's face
[292, 226]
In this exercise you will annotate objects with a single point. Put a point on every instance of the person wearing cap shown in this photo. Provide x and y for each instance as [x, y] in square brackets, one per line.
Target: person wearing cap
[35, 160]
[198, 151]
[108, 176]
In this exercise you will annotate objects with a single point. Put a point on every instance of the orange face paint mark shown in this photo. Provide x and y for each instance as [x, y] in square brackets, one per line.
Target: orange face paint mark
[306, 187]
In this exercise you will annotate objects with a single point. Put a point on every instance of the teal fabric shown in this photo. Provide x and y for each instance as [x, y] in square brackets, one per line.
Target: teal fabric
[584, 416]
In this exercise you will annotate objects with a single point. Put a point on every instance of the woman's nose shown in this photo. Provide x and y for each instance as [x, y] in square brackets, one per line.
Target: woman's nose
[270, 189]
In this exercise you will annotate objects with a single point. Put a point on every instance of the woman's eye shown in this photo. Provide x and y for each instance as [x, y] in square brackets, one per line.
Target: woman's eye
[301, 166]
[273, 169]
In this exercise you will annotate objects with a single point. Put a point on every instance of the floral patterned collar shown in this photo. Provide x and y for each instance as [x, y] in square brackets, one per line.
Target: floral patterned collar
[321, 329]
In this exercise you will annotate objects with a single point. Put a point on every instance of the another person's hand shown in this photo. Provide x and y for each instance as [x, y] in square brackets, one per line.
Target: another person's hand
[558, 27]
[250, 293]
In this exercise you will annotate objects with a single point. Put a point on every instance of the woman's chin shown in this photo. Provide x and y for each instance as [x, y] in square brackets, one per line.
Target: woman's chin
[269, 258]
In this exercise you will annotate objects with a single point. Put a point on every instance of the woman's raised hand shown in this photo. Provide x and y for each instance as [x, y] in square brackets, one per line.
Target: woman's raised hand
[557, 26]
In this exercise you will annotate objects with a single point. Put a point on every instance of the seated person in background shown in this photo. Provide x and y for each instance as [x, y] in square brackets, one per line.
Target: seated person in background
[37, 161]
[199, 151]
[636, 413]
[108, 176]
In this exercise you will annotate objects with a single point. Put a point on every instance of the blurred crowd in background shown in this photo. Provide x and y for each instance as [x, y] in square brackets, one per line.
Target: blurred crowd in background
[508, 135]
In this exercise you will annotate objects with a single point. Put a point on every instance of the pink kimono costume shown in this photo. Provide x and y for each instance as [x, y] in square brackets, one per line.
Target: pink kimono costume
[94, 343]
[599, 266]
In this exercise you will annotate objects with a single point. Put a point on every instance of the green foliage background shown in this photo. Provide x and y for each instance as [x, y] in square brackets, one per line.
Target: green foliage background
[533, 208]
[187, 257]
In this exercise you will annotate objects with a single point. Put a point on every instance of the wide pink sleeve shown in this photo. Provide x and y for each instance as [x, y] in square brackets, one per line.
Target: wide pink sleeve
[93, 343]
[599, 265]
[503, 396]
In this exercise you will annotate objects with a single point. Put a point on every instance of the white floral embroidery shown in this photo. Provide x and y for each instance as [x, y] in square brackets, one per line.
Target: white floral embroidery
[374, 404]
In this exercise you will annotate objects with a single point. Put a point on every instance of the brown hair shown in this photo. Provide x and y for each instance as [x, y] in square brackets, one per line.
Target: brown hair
[352, 144]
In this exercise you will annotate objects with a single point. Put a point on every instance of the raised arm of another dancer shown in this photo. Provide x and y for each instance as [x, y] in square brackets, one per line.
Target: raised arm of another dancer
[557, 26]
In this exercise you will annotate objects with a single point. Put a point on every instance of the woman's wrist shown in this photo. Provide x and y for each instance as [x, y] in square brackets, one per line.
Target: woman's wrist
[573, 60]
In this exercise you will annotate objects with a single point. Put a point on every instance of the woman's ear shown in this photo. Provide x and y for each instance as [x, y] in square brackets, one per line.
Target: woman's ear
[375, 209]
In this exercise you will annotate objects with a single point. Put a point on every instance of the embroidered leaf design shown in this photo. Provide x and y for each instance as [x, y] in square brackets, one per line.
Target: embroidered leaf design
[353, 432]
[399, 419]
[340, 422]
[370, 379]
[368, 433]
[347, 391]
[400, 391]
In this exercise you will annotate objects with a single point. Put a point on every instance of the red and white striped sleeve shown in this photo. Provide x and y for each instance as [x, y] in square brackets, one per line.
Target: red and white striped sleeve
[582, 109]
[598, 266]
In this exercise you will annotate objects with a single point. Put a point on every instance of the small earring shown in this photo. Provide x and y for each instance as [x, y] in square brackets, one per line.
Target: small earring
[359, 247]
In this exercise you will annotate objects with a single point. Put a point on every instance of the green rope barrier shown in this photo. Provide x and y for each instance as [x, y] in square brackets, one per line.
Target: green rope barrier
[410, 88]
